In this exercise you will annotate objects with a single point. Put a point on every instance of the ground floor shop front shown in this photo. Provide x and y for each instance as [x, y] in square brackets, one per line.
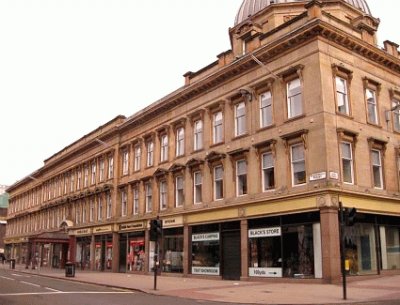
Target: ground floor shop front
[302, 245]
[43, 250]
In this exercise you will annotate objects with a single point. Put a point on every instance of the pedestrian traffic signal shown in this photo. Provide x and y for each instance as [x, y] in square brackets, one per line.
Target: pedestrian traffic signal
[155, 229]
[351, 216]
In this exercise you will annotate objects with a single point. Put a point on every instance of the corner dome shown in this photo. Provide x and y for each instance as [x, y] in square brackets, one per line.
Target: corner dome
[251, 7]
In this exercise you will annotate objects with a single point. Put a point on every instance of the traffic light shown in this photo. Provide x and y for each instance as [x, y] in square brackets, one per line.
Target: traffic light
[351, 216]
[155, 229]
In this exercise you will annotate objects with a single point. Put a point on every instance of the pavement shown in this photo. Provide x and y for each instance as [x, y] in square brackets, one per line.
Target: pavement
[360, 290]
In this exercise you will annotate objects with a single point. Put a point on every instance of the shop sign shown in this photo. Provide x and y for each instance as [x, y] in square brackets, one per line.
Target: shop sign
[80, 232]
[15, 240]
[318, 176]
[205, 270]
[102, 229]
[205, 236]
[172, 222]
[265, 232]
[131, 226]
[265, 272]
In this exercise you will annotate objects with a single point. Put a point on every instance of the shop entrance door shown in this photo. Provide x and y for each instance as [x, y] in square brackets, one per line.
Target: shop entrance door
[231, 255]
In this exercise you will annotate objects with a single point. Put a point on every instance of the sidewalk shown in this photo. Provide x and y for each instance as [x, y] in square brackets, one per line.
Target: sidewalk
[361, 291]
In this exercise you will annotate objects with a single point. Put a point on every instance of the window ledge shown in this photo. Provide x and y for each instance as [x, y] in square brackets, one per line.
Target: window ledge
[266, 127]
[347, 116]
[295, 118]
[374, 124]
[240, 136]
[217, 144]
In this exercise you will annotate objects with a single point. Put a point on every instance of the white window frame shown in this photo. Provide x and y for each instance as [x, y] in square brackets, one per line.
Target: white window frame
[265, 168]
[218, 127]
[218, 181]
[110, 167]
[125, 162]
[180, 141]
[84, 212]
[347, 159]
[298, 161]
[72, 182]
[100, 208]
[377, 168]
[124, 203]
[266, 109]
[241, 178]
[240, 119]
[138, 157]
[101, 170]
[372, 106]
[79, 180]
[179, 191]
[91, 210]
[292, 98]
[197, 187]
[163, 195]
[135, 200]
[342, 97]
[150, 153]
[94, 168]
[149, 197]
[108, 206]
[198, 135]
[396, 115]
[164, 148]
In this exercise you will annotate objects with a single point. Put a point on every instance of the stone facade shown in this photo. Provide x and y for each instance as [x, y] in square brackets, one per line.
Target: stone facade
[251, 156]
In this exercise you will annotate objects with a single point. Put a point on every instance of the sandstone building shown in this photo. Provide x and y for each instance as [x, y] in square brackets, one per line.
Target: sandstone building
[245, 164]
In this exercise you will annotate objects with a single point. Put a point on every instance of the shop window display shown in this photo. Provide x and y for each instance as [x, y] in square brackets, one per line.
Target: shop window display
[206, 254]
[136, 255]
[173, 254]
[298, 252]
[393, 247]
[265, 252]
[282, 251]
[360, 249]
[103, 256]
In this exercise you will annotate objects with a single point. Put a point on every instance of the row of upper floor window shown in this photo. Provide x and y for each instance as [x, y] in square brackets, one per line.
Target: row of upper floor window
[165, 190]
[141, 153]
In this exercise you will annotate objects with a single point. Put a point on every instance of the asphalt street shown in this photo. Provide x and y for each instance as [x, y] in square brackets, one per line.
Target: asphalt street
[25, 289]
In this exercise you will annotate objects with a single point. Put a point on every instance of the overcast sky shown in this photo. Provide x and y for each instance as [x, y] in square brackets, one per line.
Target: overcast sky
[69, 66]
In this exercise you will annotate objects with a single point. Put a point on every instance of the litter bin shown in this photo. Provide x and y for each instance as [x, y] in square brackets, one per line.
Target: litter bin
[12, 263]
[69, 269]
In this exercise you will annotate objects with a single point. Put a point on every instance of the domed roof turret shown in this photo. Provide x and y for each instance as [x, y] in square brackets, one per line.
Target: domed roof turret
[251, 7]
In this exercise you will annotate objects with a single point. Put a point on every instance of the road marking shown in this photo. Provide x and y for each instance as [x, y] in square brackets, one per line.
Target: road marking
[51, 289]
[7, 278]
[31, 284]
[16, 274]
[63, 292]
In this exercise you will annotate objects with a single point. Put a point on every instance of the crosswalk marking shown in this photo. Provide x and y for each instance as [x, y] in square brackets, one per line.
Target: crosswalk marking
[30, 284]
[7, 278]
[64, 292]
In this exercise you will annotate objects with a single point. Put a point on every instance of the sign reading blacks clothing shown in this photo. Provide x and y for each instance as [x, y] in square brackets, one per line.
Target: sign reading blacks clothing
[205, 236]
[265, 232]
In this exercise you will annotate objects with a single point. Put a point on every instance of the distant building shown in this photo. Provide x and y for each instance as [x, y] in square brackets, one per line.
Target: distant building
[3, 188]
[245, 165]
[3, 215]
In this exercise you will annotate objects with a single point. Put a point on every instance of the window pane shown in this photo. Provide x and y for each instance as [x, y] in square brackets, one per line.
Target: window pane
[219, 172]
[294, 98]
[241, 167]
[376, 158]
[346, 150]
[268, 160]
[297, 153]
